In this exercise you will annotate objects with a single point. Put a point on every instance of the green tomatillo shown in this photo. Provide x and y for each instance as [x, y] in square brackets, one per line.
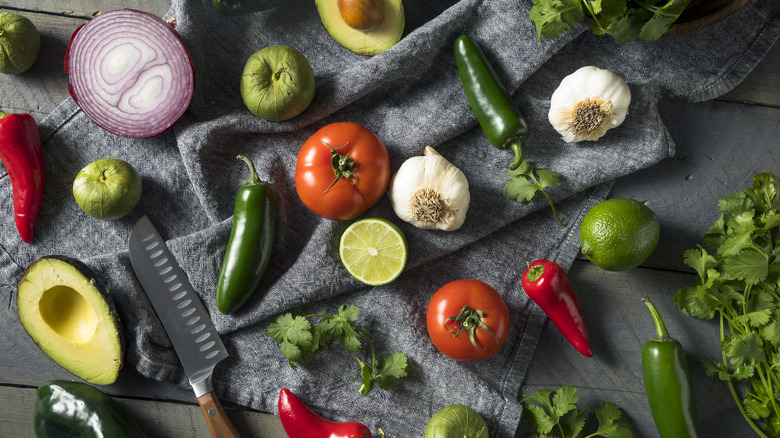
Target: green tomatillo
[20, 43]
[107, 189]
[277, 83]
[456, 421]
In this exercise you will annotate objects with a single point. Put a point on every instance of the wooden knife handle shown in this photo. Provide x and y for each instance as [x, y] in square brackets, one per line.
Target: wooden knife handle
[219, 423]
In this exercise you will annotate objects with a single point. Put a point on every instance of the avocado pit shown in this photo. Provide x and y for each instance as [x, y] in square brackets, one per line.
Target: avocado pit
[363, 15]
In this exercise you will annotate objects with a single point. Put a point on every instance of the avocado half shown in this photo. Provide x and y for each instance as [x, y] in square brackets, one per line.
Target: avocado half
[69, 314]
[362, 42]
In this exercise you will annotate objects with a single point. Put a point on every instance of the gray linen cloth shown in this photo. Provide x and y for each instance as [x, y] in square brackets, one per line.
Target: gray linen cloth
[410, 96]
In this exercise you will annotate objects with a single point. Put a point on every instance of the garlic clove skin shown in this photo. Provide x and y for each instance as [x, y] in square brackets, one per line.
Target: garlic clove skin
[588, 103]
[430, 193]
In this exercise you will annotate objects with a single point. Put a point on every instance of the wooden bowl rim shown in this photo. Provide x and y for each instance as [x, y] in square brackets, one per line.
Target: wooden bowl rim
[707, 20]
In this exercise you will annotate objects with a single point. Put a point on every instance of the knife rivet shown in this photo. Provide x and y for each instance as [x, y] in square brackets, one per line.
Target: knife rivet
[212, 412]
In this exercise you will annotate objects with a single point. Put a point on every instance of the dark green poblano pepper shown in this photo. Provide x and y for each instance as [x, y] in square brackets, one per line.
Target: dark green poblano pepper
[668, 383]
[65, 409]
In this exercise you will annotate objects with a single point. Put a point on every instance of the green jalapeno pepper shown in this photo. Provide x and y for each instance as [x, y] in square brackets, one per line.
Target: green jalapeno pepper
[233, 8]
[65, 408]
[251, 242]
[668, 383]
[494, 108]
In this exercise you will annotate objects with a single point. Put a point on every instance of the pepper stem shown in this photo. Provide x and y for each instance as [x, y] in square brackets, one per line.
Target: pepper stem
[534, 272]
[516, 146]
[660, 327]
[253, 177]
[2, 114]
[470, 320]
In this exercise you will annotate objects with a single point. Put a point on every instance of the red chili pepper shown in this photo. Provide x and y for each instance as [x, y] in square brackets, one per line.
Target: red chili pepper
[299, 421]
[22, 154]
[546, 283]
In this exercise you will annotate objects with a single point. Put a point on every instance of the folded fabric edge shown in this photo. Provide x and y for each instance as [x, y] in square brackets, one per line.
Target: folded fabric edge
[745, 63]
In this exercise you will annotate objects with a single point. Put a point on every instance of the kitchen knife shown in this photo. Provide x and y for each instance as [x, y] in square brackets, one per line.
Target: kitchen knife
[184, 318]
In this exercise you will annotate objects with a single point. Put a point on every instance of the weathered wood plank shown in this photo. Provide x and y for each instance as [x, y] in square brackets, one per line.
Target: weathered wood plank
[720, 146]
[40, 89]
[760, 86]
[619, 325]
[85, 8]
[157, 419]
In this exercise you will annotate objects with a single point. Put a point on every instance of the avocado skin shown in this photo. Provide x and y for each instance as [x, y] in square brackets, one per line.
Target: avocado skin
[66, 409]
[89, 274]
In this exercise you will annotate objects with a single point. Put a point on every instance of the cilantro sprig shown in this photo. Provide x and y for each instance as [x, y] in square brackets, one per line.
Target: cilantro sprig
[296, 335]
[526, 181]
[555, 415]
[625, 20]
[740, 284]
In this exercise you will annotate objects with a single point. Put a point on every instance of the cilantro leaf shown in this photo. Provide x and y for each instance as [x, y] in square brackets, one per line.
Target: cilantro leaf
[296, 335]
[756, 409]
[744, 348]
[764, 192]
[735, 203]
[663, 17]
[699, 260]
[554, 17]
[539, 418]
[525, 181]
[390, 368]
[627, 28]
[564, 401]
[562, 415]
[748, 265]
[612, 423]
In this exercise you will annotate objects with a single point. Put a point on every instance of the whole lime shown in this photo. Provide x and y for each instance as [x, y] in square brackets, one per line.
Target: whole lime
[277, 83]
[619, 234]
[107, 189]
[20, 43]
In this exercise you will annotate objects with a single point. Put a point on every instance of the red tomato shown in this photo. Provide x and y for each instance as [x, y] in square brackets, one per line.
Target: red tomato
[461, 301]
[342, 170]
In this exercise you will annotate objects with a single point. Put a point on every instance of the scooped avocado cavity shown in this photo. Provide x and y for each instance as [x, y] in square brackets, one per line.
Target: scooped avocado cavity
[71, 317]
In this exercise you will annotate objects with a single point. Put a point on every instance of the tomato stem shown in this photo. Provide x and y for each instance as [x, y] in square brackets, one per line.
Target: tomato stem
[470, 320]
[342, 164]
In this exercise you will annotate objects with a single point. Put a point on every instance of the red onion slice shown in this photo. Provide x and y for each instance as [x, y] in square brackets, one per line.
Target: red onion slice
[130, 73]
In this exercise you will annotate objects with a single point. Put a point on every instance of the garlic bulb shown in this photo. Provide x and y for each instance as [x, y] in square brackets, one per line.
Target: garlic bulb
[587, 103]
[429, 192]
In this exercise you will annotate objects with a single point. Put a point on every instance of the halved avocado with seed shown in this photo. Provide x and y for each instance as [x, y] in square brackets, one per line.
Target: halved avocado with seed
[69, 314]
[363, 42]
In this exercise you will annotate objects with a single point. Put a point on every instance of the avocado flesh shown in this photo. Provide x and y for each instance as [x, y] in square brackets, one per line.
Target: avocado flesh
[362, 42]
[69, 314]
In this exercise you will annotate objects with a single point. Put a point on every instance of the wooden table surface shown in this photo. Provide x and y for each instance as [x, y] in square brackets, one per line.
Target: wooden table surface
[720, 144]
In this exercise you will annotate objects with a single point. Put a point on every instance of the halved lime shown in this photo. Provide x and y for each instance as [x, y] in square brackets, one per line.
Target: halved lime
[373, 250]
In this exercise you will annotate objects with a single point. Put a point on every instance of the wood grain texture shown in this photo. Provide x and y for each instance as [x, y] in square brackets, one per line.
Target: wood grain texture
[41, 88]
[157, 419]
[719, 147]
[614, 373]
[760, 87]
[720, 144]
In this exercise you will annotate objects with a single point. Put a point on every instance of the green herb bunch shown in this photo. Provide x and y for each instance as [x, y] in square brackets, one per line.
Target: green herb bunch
[527, 180]
[740, 283]
[555, 415]
[625, 20]
[296, 335]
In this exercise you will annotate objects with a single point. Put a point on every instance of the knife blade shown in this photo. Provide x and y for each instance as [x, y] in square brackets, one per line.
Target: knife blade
[185, 319]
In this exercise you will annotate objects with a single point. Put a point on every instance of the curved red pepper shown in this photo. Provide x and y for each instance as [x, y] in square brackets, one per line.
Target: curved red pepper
[546, 283]
[299, 421]
[22, 154]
